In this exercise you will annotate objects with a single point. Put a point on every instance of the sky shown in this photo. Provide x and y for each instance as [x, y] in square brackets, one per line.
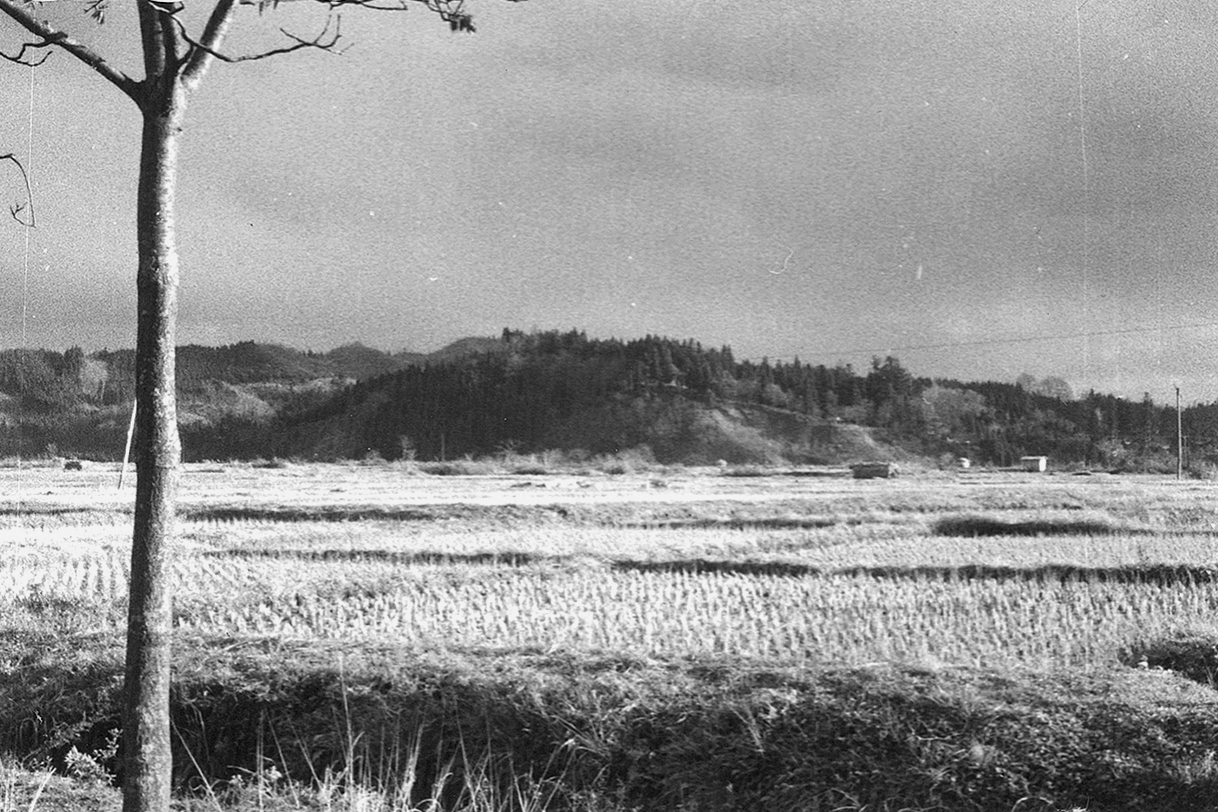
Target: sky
[980, 190]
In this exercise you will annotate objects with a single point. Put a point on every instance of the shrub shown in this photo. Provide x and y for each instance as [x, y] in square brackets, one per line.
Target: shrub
[629, 461]
[1192, 653]
[462, 467]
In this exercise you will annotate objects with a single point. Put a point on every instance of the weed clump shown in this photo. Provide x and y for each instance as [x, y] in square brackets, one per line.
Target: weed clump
[462, 467]
[1192, 653]
[984, 526]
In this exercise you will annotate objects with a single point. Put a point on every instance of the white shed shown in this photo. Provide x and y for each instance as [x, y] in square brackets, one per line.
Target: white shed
[1034, 464]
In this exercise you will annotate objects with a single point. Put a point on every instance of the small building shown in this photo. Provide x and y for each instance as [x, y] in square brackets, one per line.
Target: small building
[1034, 464]
[874, 470]
[963, 463]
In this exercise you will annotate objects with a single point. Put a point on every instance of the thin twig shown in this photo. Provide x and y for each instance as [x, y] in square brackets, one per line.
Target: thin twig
[20, 58]
[17, 208]
[451, 11]
[324, 41]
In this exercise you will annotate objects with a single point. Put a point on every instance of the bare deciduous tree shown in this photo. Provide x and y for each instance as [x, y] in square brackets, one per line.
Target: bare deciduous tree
[175, 61]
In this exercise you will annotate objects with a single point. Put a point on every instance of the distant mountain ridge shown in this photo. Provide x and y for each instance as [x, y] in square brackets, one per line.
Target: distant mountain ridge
[254, 362]
[249, 362]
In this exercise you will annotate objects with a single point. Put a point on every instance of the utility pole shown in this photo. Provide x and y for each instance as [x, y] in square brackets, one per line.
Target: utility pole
[1179, 439]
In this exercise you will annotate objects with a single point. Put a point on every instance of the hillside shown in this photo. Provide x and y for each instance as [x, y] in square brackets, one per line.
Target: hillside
[666, 425]
[527, 392]
[70, 403]
[557, 391]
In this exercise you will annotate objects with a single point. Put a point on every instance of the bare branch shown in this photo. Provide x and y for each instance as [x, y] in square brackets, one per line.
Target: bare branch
[48, 36]
[206, 48]
[20, 58]
[319, 41]
[198, 61]
[169, 41]
[451, 11]
[201, 52]
[159, 61]
[401, 5]
[17, 208]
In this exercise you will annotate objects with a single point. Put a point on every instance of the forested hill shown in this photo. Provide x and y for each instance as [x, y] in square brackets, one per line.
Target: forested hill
[535, 391]
[686, 402]
[72, 403]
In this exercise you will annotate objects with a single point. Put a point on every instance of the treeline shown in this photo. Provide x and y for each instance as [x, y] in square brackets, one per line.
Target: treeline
[565, 390]
[561, 390]
[42, 381]
[75, 404]
[48, 401]
[540, 390]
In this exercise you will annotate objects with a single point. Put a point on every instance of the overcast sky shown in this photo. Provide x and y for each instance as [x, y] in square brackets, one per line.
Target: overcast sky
[979, 189]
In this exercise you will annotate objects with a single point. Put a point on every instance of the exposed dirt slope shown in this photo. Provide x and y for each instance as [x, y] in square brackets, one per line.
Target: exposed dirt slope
[748, 433]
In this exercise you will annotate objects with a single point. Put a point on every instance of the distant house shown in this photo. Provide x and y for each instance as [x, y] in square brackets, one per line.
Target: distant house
[1034, 464]
[874, 470]
[964, 463]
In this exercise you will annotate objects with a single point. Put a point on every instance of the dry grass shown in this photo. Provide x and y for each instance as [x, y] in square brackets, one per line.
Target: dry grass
[1011, 573]
[24, 790]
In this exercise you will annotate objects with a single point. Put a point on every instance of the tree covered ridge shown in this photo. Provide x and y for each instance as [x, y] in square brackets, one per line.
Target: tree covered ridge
[539, 389]
[531, 391]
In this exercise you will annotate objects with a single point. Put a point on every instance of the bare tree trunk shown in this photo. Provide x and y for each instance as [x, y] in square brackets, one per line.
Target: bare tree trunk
[146, 727]
[174, 64]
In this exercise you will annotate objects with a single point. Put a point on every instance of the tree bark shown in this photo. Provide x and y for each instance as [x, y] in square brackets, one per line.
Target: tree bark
[146, 723]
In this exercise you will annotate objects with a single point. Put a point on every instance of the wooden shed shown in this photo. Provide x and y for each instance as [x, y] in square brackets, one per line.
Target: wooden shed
[1034, 464]
[874, 470]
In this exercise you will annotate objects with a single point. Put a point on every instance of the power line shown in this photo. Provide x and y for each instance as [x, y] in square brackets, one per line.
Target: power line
[1014, 339]
[25, 270]
[1082, 142]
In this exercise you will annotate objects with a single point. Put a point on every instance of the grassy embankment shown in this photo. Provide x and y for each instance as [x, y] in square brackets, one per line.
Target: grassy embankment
[368, 635]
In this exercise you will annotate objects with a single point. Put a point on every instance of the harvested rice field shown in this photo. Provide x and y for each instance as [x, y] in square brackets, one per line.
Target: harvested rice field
[766, 596]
